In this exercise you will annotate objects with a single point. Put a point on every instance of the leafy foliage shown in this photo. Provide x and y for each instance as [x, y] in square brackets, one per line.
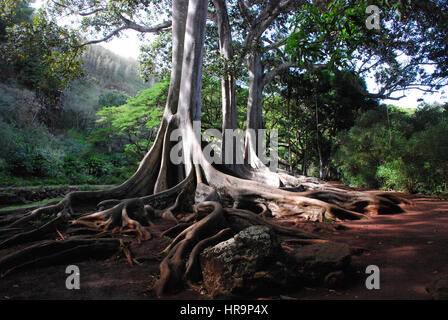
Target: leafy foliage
[108, 81]
[134, 122]
[334, 33]
[317, 106]
[393, 149]
[43, 54]
[112, 98]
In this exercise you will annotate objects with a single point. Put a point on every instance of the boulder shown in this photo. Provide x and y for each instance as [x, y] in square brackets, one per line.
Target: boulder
[248, 264]
[253, 263]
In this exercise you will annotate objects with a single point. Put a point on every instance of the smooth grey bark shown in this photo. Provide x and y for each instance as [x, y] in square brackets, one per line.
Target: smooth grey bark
[179, 9]
[254, 109]
[254, 103]
[229, 110]
[191, 82]
[228, 91]
[257, 79]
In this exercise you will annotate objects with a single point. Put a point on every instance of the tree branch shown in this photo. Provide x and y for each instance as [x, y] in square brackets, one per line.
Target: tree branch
[277, 70]
[274, 45]
[129, 25]
[268, 77]
[244, 8]
[134, 26]
[110, 35]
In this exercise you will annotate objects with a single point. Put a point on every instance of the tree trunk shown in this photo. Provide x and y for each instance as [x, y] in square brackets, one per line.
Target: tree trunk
[254, 111]
[229, 107]
[318, 145]
[180, 9]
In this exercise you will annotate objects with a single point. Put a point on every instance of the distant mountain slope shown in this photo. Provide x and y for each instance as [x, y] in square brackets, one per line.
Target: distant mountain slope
[103, 71]
[111, 71]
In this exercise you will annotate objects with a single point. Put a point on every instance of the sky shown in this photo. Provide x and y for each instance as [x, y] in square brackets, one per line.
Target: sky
[128, 45]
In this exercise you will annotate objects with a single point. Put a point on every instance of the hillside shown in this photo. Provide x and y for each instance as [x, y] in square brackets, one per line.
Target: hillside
[33, 147]
[103, 71]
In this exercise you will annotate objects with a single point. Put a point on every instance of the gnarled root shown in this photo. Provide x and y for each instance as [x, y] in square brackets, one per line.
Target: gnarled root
[35, 234]
[49, 252]
[172, 268]
[129, 214]
[360, 202]
[216, 224]
[150, 193]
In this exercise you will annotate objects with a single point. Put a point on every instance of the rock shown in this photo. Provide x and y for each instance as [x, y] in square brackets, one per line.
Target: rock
[253, 263]
[318, 262]
[438, 289]
[249, 263]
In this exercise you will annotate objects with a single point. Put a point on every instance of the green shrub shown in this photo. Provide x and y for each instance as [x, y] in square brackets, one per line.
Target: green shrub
[393, 176]
[72, 166]
[405, 151]
[95, 166]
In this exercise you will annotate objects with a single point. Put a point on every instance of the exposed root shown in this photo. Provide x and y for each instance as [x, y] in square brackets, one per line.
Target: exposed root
[217, 224]
[192, 266]
[54, 209]
[170, 212]
[254, 219]
[172, 268]
[50, 252]
[328, 202]
[361, 202]
[35, 234]
[174, 231]
[252, 202]
[127, 214]
[108, 204]
[11, 215]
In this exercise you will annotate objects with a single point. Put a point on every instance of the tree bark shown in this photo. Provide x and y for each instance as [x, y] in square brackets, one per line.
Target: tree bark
[180, 10]
[229, 109]
[254, 111]
[228, 91]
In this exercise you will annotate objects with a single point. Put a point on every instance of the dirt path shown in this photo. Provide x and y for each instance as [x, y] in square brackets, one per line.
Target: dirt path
[411, 250]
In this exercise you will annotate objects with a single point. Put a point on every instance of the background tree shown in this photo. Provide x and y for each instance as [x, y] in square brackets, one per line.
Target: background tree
[132, 125]
[398, 54]
[43, 55]
[319, 106]
[402, 152]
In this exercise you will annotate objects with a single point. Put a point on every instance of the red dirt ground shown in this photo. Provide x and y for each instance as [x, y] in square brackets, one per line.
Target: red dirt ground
[411, 250]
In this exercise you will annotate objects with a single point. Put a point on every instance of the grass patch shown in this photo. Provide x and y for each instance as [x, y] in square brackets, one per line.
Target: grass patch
[38, 203]
[89, 187]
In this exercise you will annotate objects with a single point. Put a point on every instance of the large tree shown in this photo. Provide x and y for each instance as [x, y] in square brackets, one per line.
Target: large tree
[220, 202]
